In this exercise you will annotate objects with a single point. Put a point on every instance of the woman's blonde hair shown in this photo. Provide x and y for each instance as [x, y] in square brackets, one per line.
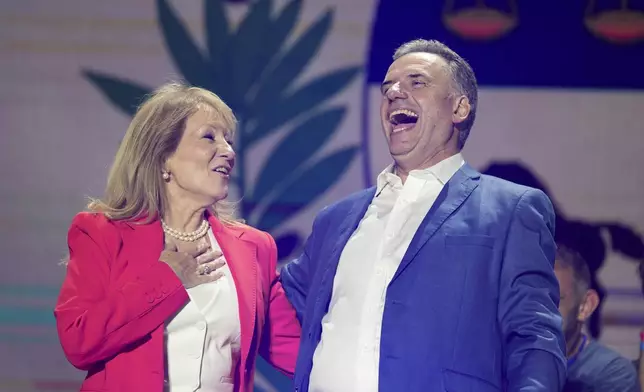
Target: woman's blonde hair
[135, 186]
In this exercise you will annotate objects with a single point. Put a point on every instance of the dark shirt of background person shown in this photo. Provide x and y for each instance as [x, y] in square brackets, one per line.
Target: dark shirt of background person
[592, 367]
[639, 363]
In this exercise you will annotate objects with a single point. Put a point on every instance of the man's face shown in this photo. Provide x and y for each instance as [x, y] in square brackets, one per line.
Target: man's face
[569, 302]
[418, 109]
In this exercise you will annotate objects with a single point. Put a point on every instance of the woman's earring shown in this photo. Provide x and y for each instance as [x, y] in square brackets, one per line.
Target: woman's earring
[166, 176]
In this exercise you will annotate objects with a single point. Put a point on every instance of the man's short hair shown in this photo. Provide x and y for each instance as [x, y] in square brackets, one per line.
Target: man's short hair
[569, 258]
[462, 74]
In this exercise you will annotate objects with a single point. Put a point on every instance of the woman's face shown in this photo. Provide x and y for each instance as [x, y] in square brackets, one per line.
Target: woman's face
[202, 163]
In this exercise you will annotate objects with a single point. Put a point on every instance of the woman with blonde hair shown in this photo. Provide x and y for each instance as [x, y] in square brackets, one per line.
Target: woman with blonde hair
[165, 290]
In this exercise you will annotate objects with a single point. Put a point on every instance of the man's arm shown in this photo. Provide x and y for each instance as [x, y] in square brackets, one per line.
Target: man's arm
[281, 337]
[296, 275]
[529, 298]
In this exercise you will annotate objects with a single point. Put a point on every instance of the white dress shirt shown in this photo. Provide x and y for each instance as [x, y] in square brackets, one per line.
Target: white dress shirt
[203, 338]
[348, 354]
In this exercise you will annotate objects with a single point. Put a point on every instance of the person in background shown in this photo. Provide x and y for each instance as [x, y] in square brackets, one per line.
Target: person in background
[639, 362]
[439, 278]
[592, 367]
[164, 289]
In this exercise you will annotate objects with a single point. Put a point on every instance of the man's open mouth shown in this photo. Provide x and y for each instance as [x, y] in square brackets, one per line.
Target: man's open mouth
[402, 119]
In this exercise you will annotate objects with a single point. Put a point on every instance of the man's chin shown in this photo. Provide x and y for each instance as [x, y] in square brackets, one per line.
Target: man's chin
[399, 152]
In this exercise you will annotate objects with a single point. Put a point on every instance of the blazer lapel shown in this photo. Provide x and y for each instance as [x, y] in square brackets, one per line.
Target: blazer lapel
[454, 193]
[345, 229]
[241, 257]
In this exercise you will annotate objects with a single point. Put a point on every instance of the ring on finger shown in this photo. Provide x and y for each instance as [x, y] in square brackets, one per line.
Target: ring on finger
[206, 270]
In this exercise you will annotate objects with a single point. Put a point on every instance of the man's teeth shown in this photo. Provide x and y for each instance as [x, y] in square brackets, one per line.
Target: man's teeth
[400, 128]
[221, 170]
[402, 111]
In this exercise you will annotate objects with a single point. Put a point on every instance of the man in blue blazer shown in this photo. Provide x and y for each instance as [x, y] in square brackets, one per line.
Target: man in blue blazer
[439, 278]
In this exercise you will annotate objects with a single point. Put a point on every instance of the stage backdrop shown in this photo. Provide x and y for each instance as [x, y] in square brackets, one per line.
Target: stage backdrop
[561, 98]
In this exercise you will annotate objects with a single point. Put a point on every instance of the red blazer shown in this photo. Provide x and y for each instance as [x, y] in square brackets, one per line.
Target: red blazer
[117, 295]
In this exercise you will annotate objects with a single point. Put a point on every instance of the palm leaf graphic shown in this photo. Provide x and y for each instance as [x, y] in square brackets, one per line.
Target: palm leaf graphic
[305, 188]
[122, 93]
[185, 54]
[293, 62]
[255, 78]
[286, 108]
[255, 71]
[298, 145]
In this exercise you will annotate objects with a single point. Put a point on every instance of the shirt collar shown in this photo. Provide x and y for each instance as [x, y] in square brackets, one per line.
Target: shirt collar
[443, 171]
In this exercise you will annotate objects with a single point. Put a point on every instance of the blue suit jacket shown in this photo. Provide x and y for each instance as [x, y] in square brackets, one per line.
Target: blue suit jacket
[473, 304]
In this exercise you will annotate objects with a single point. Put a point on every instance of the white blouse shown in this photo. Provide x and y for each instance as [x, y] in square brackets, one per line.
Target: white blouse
[202, 341]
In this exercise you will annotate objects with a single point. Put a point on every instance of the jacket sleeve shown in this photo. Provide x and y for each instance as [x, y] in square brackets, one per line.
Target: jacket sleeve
[529, 300]
[96, 320]
[281, 335]
[297, 274]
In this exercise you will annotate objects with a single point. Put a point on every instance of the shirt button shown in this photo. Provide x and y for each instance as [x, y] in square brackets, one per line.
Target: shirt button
[201, 325]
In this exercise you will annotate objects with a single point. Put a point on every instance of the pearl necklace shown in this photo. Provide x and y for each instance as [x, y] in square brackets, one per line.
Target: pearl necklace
[186, 237]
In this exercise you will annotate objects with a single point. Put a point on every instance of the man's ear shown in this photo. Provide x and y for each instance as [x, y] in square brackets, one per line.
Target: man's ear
[588, 305]
[461, 109]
